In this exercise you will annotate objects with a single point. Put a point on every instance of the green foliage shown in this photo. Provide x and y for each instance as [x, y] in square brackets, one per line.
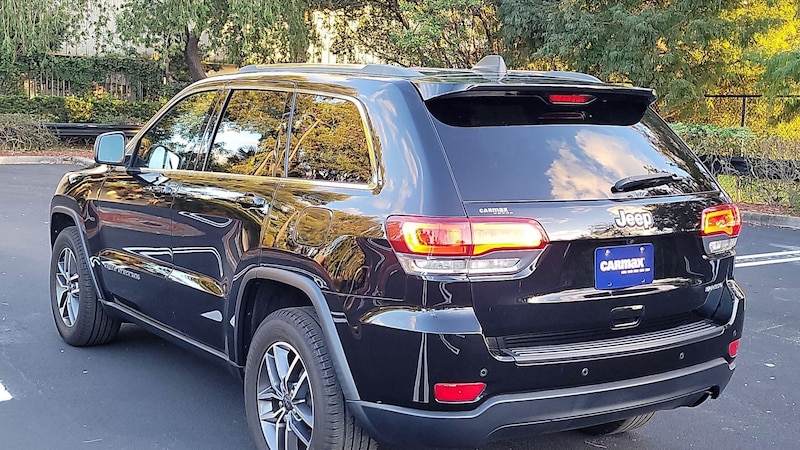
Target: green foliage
[714, 140]
[37, 27]
[772, 167]
[681, 48]
[85, 73]
[674, 47]
[439, 33]
[24, 132]
[244, 31]
[92, 109]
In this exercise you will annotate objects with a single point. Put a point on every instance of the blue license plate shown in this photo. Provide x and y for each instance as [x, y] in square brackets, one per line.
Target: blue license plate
[623, 266]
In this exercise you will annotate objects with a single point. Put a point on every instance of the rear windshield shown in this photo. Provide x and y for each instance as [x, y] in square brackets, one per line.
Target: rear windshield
[566, 161]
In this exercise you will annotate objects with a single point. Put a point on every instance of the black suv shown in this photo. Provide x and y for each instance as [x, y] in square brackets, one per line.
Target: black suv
[396, 255]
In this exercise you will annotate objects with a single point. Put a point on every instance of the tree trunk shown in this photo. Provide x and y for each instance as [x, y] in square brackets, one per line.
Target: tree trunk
[191, 52]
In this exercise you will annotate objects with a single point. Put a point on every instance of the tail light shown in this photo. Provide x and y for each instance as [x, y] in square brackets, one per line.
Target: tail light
[720, 226]
[463, 246]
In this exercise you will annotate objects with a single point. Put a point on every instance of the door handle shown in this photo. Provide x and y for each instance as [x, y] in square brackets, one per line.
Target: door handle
[251, 201]
[160, 189]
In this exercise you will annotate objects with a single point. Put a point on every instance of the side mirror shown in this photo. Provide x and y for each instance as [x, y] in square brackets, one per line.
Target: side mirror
[109, 148]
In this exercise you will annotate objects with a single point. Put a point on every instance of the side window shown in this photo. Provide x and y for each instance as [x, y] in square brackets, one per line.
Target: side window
[175, 141]
[328, 141]
[252, 133]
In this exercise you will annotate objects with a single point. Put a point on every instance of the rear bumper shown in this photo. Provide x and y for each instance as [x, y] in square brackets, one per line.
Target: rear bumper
[511, 415]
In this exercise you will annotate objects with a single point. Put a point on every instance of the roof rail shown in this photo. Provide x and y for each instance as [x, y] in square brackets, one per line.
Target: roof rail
[362, 69]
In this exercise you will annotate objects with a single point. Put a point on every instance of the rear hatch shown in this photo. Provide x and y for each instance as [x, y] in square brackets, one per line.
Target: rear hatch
[618, 195]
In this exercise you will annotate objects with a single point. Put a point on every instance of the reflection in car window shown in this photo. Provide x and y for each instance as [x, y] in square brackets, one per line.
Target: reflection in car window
[328, 141]
[251, 133]
[175, 142]
[566, 161]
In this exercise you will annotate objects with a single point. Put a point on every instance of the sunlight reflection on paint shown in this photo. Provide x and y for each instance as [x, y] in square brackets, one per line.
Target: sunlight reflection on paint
[4, 394]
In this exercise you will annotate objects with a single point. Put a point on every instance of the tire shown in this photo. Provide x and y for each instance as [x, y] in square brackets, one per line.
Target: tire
[289, 380]
[80, 319]
[619, 426]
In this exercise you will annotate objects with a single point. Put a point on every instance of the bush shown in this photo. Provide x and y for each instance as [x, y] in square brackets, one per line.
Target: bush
[24, 132]
[714, 140]
[86, 109]
[770, 164]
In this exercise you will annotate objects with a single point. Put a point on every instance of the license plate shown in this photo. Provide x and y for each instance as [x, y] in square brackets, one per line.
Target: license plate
[623, 266]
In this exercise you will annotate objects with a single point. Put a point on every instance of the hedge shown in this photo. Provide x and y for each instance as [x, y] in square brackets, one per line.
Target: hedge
[87, 109]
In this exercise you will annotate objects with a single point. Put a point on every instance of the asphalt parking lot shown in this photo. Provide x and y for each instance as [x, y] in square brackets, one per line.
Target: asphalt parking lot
[144, 393]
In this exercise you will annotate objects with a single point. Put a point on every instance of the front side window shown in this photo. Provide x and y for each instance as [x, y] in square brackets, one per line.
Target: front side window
[175, 141]
[328, 141]
[251, 137]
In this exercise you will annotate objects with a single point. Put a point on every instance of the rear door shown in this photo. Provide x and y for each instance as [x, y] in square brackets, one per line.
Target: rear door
[219, 209]
[618, 195]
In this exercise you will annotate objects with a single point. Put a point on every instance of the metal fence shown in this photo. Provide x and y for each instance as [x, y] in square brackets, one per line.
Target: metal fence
[745, 109]
[116, 85]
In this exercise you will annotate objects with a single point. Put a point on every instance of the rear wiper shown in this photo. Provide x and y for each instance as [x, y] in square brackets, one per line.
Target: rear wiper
[644, 181]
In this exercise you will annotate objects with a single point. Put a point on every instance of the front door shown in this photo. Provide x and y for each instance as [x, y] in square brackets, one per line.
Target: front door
[134, 206]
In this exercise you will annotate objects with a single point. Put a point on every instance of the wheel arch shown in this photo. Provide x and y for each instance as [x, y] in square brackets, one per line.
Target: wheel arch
[303, 292]
[62, 217]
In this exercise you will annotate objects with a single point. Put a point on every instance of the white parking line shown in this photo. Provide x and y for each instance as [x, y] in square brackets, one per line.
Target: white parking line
[4, 394]
[762, 259]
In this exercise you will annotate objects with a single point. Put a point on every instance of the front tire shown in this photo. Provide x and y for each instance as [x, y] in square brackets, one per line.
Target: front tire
[292, 396]
[80, 319]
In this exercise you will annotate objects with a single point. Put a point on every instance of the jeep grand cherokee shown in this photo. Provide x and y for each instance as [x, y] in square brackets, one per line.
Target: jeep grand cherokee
[411, 256]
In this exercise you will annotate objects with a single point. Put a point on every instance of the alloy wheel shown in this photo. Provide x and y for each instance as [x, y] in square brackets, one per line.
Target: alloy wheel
[285, 407]
[68, 287]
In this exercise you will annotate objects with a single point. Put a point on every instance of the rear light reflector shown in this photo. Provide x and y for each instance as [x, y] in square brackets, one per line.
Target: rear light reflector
[570, 99]
[458, 392]
[733, 348]
[721, 219]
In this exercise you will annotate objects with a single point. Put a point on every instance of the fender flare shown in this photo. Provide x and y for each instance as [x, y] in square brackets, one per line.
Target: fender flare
[320, 304]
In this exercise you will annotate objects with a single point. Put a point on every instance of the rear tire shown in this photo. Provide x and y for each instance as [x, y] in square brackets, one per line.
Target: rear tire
[619, 426]
[80, 319]
[292, 396]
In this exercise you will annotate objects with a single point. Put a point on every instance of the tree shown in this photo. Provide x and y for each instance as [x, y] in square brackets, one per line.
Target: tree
[243, 30]
[37, 27]
[442, 33]
[34, 28]
[779, 51]
[682, 48]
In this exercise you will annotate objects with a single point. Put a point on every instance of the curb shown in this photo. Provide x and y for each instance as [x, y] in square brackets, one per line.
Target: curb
[770, 220]
[79, 160]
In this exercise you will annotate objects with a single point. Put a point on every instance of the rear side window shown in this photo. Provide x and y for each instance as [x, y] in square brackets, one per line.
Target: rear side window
[328, 141]
[251, 136]
[562, 158]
